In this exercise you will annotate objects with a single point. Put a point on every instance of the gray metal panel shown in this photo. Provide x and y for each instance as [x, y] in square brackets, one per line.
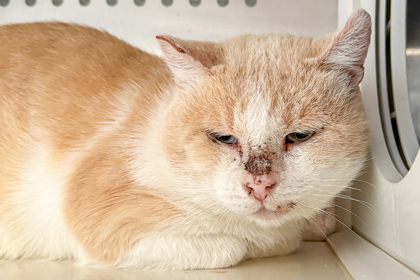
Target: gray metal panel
[409, 143]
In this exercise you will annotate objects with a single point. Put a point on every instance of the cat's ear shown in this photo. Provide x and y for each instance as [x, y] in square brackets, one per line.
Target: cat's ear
[346, 50]
[188, 60]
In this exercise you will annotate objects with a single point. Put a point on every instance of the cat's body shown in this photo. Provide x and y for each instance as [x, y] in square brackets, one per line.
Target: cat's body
[108, 158]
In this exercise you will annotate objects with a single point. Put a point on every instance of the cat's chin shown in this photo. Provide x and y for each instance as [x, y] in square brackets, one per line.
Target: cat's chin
[265, 214]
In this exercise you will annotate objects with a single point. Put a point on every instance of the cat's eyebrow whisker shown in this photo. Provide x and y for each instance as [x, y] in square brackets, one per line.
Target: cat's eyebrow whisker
[313, 221]
[329, 215]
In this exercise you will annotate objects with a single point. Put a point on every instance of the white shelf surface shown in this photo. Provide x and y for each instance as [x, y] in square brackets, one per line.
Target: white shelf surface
[313, 260]
[365, 261]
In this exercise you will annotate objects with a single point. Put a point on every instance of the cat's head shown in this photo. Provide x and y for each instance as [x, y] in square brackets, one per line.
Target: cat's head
[271, 127]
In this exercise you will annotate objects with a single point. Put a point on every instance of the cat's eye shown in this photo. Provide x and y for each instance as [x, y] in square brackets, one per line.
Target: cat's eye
[299, 136]
[226, 139]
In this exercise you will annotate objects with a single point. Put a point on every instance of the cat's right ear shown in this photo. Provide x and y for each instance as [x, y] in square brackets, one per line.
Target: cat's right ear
[188, 61]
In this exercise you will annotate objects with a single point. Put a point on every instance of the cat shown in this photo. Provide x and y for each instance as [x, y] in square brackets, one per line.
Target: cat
[214, 153]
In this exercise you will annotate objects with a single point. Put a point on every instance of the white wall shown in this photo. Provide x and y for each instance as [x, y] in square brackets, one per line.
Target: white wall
[208, 21]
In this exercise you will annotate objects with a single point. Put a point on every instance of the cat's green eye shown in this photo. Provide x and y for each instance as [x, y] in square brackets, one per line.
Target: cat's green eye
[299, 136]
[226, 139]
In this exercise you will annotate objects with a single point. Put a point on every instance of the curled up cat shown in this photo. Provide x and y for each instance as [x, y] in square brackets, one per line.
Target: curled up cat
[214, 153]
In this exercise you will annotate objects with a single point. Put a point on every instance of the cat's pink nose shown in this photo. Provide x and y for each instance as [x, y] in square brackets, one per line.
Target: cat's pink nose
[260, 186]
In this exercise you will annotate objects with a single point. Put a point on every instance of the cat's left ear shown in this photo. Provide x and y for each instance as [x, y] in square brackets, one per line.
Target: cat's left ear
[346, 51]
[188, 61]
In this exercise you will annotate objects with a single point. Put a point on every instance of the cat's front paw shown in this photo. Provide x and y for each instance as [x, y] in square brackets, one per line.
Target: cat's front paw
[270, 250]
[183, 253]
[280, 241]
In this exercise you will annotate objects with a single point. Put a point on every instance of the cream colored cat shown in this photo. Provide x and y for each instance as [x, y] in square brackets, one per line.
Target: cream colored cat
[111, 156]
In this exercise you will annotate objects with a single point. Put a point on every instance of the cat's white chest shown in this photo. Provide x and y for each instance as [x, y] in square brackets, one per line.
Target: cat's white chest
[37, 201]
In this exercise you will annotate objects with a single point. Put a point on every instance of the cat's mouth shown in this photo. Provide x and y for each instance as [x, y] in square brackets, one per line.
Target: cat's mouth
[267, 214]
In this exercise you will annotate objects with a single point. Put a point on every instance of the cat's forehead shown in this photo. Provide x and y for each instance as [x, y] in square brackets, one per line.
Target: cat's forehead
[269, 81]
[269, 65]
[264, 89]
[267, 52]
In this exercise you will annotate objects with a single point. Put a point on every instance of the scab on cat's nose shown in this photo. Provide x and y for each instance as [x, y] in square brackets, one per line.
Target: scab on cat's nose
[258, 165]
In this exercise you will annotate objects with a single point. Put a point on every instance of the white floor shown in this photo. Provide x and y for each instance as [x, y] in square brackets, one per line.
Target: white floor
[314, 260]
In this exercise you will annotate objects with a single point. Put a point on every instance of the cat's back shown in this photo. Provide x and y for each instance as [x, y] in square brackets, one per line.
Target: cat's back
[64, 79]
[45, 42]
[79, 57]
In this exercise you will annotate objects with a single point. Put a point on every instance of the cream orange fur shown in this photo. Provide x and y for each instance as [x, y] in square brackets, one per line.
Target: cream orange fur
[111, 156]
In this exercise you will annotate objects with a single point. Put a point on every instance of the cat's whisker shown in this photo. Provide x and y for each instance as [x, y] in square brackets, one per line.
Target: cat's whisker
[326, 191]
[330, 215]
[354, 180]
[345, 209]
[357, 200]
[313, 221]
[319, 208]
[366, 182]
[354, 189]
[341, 195]
[339, 187]
[330, 187]
[366, 204]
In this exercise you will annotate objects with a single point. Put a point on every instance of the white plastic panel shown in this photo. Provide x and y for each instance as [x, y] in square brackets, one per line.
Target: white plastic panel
[208, 21]
[392, 220]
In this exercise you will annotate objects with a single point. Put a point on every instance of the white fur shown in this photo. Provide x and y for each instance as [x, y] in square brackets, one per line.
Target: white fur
[38, 202]
[256, 121]
[38, 199]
